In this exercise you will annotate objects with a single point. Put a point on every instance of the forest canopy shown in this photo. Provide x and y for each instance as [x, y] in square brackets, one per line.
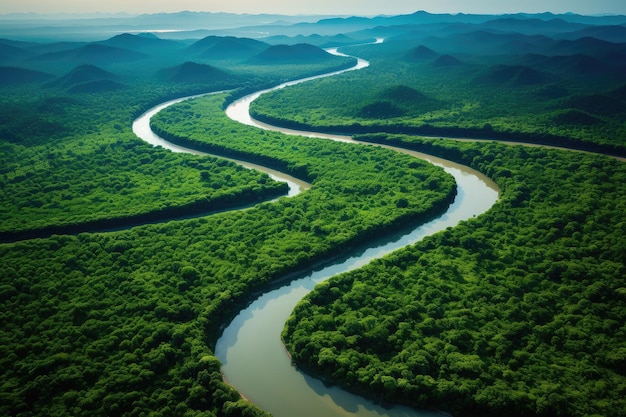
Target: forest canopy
[123, 322]
[519, 311]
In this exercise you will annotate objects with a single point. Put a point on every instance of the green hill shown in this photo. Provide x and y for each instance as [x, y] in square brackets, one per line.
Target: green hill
[141, 43]
[219, 47]
[15, 75]
[447, 61]
[97, 86]
[291, 54]
[82, 74]
[9, 53]
[422, 53]
[93, 54]
[192, 72]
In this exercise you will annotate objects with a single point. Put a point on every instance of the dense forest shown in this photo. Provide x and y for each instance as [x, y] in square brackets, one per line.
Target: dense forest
[77, 126]
[476, 83]
[519, 311]
[123, 322]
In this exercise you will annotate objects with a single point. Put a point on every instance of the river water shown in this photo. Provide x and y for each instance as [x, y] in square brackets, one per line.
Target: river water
[250, 349]
[141, 128]
[253, 357]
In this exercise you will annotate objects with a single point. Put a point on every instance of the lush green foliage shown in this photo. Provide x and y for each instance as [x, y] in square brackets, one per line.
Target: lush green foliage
[91, 169]
[517, 312]
[122, 323]
[488, 96]
[379, 176]
[120, 181]
[68, 158]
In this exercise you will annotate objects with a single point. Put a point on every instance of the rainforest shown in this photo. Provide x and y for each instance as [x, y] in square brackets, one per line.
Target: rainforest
[124, 263]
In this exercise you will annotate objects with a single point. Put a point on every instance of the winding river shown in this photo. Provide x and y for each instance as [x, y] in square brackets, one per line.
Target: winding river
[141, 128]
[250, 349]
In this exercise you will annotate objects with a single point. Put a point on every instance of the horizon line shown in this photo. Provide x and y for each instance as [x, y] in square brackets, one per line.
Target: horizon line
[131, 14]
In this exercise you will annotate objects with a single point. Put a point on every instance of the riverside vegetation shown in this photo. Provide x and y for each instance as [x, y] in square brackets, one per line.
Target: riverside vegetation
[513, 86]
[123, 323]
[519, 311]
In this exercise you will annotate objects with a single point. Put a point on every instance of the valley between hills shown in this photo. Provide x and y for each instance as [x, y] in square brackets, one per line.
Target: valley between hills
[517, 311]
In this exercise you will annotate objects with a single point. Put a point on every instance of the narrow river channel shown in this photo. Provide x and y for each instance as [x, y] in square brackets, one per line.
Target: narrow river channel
[253, 357]
[141, 128]
[254, 360]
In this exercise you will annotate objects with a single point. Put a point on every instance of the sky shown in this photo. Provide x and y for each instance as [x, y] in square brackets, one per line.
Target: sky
[324, 7]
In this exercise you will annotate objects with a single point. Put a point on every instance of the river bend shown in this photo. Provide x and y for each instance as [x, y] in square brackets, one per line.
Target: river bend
[250, 349]
[254, 360]
[141, 128]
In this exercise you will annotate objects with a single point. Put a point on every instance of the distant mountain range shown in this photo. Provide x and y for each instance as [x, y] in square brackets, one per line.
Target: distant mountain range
[518, 50]
[201, 24]
[14, 75]
[291, 54]
[89, 67]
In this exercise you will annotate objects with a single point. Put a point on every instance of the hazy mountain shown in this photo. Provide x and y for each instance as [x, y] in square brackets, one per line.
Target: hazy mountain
[82, 74]
[219, 47]
[15, 75]
[613, 33]
[46, 27]
[586, 45]
[51, 47]
[141, 43]
[422, 53]
[524, 44]
[482, 42]
[94, 54]
[10, 53]
[447, 61]
[97, 27]
[192, 72]
[291, 54]
[315, 39]
[532, 26]
[208, 20]
[17, 44]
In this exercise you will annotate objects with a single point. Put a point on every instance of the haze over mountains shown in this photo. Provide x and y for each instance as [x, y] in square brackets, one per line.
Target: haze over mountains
[122, 323]
[514, 50]
[184, 25]
[543, 51]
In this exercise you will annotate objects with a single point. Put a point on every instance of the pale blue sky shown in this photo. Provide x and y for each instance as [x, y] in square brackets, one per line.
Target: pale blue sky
[329, 7]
